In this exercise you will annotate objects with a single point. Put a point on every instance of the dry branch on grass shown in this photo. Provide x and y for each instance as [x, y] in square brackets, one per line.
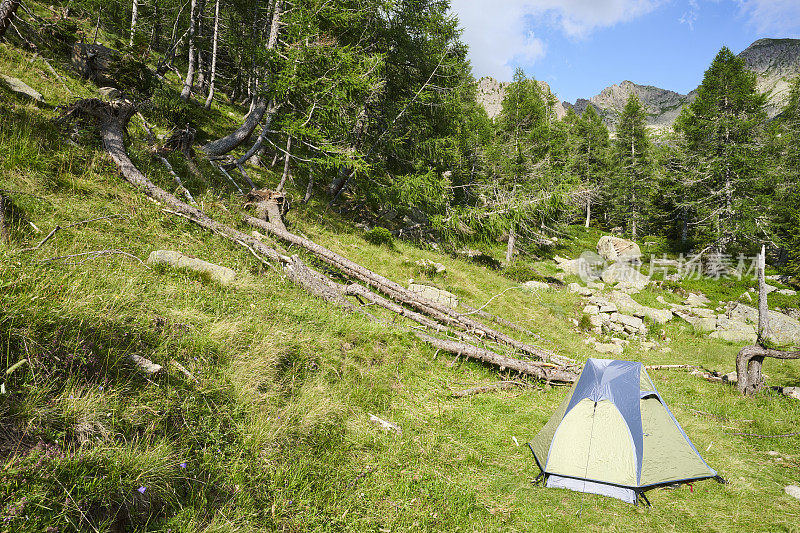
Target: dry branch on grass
[489, 387]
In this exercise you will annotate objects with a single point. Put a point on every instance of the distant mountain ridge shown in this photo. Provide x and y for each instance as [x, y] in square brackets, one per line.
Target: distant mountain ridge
[775, 62]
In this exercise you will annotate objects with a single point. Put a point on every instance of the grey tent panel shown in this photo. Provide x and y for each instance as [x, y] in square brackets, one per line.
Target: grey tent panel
[582, 485]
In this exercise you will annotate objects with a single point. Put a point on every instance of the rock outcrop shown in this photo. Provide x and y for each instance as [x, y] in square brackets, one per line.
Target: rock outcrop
[435, 295]
[20, 87]
[490, 95]
[628, 278]
[613, 248]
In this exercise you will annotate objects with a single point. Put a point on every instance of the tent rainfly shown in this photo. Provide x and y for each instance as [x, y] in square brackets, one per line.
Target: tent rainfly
[614, 435]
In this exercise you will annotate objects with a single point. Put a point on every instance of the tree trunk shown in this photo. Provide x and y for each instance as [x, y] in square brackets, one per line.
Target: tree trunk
[529, 368]
[7, 10]
[213, 58]
[188, 83]
[763, 307]
[243, 132]
[309, 189]
[588, 212]
[134, 20]
[285, 164]
[397, 292]
[5, 233]
[512, 239]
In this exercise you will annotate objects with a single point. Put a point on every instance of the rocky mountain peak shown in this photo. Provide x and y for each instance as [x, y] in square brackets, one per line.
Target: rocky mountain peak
[491, 93]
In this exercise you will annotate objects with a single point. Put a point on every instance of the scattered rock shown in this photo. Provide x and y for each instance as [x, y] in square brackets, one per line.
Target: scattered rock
[696, 300]
[610, 348]
[625, 275]
[20, 87]
[576, 267]
[770, 288]
[633, 322]
[608, 308]
[536, 285]
[734, 330]
[596, 285]
[702, 312]
[787, 292]
[577, 288]
[783, 329]
[145, 365]
[110, 93]
[385, 424]
[700, 324]
[614, 248]
[628, 305]
[793, 491]
[592, 310]
[223, 275]
[93, 61]
[435, 295]
[773, 453]
[792, 392]
[647, 345]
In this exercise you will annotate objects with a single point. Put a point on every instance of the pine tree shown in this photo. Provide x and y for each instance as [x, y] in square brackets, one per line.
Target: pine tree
[721, 127]
[629, 189]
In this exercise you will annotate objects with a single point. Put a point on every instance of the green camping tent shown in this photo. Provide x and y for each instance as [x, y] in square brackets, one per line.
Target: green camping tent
[614, 435]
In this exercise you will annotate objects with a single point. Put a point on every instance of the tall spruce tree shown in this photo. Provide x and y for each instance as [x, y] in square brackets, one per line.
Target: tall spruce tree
[629, 188]
[591, 153]
[721, 128]
[787, 188]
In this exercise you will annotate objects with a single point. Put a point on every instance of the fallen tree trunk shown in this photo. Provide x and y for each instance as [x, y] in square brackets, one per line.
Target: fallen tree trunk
[113, 118]
[530, 368]
[399, 293]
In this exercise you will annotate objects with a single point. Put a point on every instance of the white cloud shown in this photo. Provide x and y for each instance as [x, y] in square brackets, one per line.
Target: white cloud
[498, 32]
[690, 17]
[781, 17]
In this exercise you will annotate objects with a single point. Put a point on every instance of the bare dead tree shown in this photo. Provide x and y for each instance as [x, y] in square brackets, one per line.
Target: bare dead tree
[134, 20]
[751, 358]
[213, 75]
[188, 83]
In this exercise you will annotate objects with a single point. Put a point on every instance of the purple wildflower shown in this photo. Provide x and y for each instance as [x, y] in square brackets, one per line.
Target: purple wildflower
[183, 465]
[142, 489]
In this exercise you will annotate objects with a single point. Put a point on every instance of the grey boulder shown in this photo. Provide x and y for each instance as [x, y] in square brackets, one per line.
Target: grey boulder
[223, 275]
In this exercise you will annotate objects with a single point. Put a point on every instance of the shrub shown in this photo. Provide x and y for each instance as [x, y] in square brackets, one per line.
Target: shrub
[131, 75]
[379, 237]
[585, 323]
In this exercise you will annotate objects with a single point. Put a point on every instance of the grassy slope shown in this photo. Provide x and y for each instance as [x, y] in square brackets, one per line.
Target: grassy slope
[276, 435]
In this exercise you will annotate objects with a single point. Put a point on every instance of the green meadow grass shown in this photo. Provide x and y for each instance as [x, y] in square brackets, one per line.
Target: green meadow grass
[275, 433]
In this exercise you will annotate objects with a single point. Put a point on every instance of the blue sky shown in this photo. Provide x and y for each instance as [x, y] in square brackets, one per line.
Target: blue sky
[582, 46]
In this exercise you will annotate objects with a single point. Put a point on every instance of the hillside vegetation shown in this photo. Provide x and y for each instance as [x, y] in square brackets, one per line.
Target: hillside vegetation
[260, 417]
